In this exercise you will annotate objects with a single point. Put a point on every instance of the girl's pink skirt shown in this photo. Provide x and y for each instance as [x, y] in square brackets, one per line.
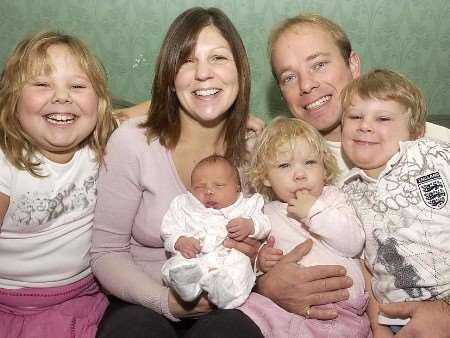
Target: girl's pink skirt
[70, 311]
[275, 322]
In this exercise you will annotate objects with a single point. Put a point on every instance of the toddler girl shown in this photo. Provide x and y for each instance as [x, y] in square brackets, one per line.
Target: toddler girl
[55, 116]
[195, 227]
[293, 168]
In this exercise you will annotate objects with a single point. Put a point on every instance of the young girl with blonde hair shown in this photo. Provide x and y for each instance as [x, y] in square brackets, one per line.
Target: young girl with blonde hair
[293, 167]
[55, 118]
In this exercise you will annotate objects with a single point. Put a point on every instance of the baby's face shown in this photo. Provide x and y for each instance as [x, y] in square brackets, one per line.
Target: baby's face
[372, 131]
[215, 185]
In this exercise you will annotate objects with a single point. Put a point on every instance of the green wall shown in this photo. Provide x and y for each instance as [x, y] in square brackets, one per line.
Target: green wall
[411, 36]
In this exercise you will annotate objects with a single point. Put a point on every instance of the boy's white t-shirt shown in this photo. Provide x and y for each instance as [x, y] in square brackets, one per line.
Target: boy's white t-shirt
[46, 233]
[406, 216]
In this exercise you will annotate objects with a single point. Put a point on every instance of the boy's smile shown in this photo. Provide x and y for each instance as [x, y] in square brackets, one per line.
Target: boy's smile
[372, 131]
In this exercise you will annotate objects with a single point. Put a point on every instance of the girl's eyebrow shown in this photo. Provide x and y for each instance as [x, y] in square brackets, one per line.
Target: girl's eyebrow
[79, 75]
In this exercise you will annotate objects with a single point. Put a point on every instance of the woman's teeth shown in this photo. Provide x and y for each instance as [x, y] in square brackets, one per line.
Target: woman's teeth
[206, 92]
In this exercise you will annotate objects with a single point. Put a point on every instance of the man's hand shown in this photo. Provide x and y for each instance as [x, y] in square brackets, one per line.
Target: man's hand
[295, 288]
[254, 127]
[428, 319]
[189, 247]
[138, 110]
[240, 228]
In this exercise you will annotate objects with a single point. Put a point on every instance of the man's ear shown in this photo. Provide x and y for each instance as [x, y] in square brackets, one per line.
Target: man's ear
[355, 64]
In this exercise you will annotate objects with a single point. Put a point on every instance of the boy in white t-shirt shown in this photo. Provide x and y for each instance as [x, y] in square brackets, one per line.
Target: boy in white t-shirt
[400, 192]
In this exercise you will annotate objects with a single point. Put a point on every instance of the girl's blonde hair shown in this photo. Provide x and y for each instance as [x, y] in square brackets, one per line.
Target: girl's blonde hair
[279, 132]
[30, 59]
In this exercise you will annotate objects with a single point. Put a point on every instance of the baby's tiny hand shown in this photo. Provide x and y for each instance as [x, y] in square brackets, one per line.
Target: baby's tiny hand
[188, 246]
[300, 206]
[240, 228]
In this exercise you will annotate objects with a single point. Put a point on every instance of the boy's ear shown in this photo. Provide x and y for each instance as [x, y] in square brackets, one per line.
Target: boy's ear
[420, 132]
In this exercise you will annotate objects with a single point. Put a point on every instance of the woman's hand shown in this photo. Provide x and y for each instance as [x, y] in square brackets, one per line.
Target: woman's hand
[181, 309]
[248, 246]
[297, 289]
[428, 319]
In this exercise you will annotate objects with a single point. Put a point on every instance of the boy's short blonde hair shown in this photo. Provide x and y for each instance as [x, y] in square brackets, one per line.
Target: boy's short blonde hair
[387, 85]
[279, 132]
[28, 60]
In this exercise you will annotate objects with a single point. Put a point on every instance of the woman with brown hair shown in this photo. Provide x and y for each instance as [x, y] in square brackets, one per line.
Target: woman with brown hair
[200, 102]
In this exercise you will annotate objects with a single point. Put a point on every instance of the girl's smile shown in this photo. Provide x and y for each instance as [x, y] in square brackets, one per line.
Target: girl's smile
[58, 109]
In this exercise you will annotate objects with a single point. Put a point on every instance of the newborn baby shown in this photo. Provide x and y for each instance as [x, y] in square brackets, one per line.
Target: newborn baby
[195, 227]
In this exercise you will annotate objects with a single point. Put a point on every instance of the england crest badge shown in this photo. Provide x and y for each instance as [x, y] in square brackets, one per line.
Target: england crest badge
[433, 191]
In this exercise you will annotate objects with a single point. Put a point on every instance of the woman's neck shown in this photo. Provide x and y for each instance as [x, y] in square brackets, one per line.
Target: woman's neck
[196, 142]
[197, 135]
